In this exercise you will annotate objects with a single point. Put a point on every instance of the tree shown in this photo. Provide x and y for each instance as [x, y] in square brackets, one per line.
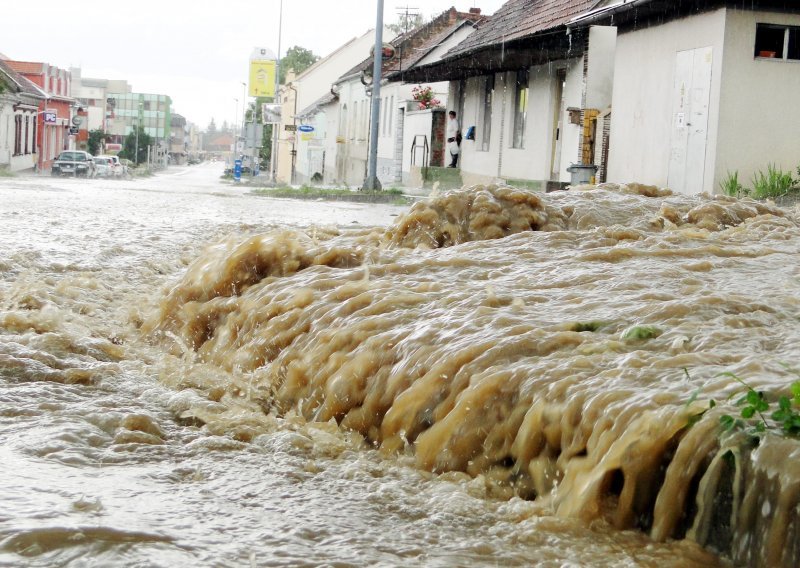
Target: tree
[297, 59]
[129, 147]
[96, 138]
[211, 130]
[406, 22]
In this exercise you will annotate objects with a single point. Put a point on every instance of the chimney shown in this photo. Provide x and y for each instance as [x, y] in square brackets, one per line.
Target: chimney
[476, 11]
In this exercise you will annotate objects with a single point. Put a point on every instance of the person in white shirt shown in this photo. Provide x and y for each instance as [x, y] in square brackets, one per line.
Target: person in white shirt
[453, 139]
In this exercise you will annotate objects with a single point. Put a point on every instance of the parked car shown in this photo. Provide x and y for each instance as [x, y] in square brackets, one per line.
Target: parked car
[74, 162]
[104, 166]
[118, 169]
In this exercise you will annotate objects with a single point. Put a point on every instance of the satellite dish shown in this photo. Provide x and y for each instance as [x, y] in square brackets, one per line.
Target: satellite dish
[387, 51]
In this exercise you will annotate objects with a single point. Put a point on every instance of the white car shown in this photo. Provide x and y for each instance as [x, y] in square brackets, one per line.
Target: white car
[117, 169]
[103, 166]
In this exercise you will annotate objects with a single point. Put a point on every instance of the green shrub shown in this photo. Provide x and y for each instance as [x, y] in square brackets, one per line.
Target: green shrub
[774, 183]
[732, 186]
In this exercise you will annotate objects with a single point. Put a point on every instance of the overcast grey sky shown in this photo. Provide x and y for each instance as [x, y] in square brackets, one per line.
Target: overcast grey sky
[194, 51]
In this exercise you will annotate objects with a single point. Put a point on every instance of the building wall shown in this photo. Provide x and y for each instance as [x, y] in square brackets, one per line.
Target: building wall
[416, 122]
[26, 159]
[316, 81]
[534, 161]
[643, 91]
[759, 123]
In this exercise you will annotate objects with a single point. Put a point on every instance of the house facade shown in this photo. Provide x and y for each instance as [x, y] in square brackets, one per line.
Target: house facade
[305, 100]
[701, 94]
[524, 86]
[19, 109]
[348, 133]
[96, 108]
[666, 94]
[55, 110]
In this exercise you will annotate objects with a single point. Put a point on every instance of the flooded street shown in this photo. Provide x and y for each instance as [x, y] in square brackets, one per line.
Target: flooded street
[177, 357]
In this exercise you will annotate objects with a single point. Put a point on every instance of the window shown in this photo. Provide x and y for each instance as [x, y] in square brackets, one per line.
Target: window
[384, 106]
[391, 115]
[486, 111]
[520, 108]
[777, 42]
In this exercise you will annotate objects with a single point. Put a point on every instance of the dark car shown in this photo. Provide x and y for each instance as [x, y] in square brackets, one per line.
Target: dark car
[74, 162]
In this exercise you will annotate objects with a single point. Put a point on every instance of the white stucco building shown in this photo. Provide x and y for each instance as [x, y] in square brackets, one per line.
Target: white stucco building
[703, 94]
[348, 109]
[302, 100]
[19, 106]
[674, 95]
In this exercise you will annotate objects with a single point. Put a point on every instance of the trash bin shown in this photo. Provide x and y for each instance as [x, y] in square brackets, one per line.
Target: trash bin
[582, 173]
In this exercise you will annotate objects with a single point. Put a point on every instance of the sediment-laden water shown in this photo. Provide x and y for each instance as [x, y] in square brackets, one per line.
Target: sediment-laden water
[494, 378]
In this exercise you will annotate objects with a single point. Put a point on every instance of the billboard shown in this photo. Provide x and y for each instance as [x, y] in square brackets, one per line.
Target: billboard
[271, 113]
[262, 78]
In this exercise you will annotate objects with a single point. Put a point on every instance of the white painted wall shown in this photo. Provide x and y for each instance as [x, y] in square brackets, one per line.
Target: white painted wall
[759, 122]
[478, 166]
[6, 131]
[533, 162]
[600, 74]
[416, 122]
[7, 136]
[642, 97]
[571, 133]
[316, 81]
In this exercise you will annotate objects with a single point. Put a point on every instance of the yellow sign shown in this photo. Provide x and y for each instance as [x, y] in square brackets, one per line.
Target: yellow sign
[262, 78]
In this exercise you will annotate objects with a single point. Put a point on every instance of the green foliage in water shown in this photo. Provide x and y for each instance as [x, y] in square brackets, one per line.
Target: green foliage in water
[757, 415]
[641, 332]
[758, 412]
[587, 326]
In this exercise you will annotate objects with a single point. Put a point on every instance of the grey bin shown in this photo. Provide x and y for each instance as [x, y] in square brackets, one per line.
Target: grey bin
[582, 173]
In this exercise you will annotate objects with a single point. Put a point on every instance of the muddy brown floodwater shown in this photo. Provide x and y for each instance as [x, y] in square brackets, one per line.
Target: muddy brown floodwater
[491, 378]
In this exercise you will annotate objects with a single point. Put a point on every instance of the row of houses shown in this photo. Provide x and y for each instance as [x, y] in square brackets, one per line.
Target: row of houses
[676, 94]
[45, 109]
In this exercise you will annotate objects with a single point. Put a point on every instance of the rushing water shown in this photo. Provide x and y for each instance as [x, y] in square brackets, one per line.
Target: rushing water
[175, 356]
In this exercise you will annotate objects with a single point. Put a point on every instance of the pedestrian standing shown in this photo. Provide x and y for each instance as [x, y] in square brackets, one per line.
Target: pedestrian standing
[453, 138]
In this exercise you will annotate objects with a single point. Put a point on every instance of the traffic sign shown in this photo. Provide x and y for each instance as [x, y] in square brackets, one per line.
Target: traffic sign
[290, 127]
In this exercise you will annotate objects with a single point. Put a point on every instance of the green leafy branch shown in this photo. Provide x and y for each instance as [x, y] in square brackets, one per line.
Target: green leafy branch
[757, 415]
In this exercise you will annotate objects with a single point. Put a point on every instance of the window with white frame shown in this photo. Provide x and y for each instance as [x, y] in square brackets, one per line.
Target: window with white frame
[384, 108]
[777, 42]
[520, 108]
[390, 112]
[486, 113]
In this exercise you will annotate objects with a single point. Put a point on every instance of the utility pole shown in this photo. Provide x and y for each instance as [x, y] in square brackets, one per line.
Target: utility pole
[273, 157]
[372, 183]
[244, 113]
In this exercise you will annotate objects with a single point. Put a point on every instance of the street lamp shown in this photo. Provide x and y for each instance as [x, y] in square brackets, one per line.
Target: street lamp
[236, 118]
[372, 183]
[273, 158]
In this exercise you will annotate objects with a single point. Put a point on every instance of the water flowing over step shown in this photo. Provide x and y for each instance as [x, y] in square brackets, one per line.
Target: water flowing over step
[550, 343]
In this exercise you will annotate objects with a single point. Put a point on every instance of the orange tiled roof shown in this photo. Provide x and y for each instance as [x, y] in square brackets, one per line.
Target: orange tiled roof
[31, 67]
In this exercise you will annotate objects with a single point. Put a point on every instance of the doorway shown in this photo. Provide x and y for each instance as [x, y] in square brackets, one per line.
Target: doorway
[558, 124]
[689, 131]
